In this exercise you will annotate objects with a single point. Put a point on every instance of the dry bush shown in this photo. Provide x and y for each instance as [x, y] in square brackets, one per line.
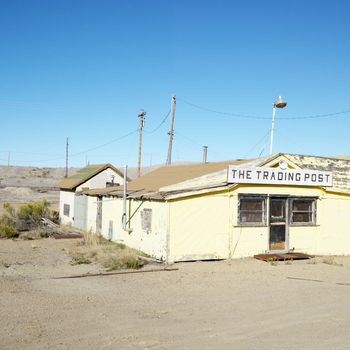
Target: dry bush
[112, 256]
[330, 260]
[26, 218]
[7, 231]
[79, 259]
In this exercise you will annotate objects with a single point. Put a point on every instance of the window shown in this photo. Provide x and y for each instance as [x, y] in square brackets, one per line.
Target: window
[110, 230]
[146, 220]
[303, 211]
[66, 208]
[251, 210]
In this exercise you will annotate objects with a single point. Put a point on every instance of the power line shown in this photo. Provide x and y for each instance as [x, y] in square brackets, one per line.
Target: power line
[106, 143]
[159, 125]
[236, 115]
[258, 143]
[76, 154]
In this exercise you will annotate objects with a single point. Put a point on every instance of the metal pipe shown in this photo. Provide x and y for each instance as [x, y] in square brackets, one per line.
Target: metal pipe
[272, 127]
[205, 154]
[124, 197]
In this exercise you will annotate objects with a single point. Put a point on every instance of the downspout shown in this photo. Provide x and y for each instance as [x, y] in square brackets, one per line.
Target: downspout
[124, 200]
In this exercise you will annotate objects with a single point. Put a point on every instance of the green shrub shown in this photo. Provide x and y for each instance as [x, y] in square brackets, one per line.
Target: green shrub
[7, 231]
[79, 259]
[34, 211]
[112, 263]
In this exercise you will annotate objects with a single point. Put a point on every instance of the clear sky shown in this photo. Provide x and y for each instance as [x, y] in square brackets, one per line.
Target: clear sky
[83, 69]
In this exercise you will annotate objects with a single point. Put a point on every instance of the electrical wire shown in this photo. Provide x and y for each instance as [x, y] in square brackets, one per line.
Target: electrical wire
[75, 154]
[258, 143]
[159, 125]
[105, 144]
[316, 116]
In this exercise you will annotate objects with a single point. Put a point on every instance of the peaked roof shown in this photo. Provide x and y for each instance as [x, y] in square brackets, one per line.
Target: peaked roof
[180, 179]
[150, 183]
[340, 168]
[85, 174]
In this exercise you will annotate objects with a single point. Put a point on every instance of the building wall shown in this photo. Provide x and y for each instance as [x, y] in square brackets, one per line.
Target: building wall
[250, 240]
[80, 211]
[199, 228]
[330, 235]
[152, 241]
[91, 213]
[99, 180]
[66, 197]
[333, 218]
[206, 226]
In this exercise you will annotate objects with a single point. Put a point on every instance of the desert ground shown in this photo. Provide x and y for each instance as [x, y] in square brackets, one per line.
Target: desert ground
[238, 304]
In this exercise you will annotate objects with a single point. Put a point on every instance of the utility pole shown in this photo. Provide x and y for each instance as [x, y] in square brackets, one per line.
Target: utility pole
[142, 115]
[8, 159]
[67, 144]
[171, 131]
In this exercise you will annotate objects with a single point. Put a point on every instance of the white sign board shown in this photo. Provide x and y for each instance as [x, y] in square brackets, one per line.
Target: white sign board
[276, 176]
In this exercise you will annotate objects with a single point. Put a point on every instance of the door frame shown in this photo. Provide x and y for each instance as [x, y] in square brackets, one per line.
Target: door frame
[286, 241]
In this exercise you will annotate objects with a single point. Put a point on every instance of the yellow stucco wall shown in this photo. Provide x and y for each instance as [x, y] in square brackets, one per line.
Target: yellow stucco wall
[207, 226]
[199, 228]
[249, 240]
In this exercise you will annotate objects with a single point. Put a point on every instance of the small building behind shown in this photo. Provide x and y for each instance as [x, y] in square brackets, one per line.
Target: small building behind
[72, 207]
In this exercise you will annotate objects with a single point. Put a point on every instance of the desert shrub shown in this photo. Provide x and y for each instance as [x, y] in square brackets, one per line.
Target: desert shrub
[112, 263]
[79, 259]
[7, 231]
[9, 218]
[121, 246]
[33, 212]
[26, 218]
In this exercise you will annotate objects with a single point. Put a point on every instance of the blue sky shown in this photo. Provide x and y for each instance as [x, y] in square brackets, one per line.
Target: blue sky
[84, 69]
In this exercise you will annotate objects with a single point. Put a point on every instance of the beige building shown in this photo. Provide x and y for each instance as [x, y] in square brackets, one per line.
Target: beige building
[73, 205]
[231, 209]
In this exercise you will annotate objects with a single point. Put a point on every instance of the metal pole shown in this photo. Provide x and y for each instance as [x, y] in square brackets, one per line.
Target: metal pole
[66, 158]
[171, 131]
[272, 127]
[205, 154]
[142, 123]
[124, 196]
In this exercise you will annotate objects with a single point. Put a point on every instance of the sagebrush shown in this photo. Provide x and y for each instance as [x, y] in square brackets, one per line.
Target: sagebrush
[26, 218]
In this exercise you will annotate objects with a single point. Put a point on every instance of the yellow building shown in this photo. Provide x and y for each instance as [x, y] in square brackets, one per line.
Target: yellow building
[231, 209]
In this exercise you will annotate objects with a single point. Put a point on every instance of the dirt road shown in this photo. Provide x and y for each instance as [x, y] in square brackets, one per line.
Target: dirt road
[240, 304]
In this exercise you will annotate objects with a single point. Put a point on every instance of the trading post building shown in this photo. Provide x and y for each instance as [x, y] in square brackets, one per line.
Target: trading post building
[232, 209]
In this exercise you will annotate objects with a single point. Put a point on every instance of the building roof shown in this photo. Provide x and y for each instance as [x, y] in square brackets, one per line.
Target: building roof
[340, 168]
[149, 185]
[181, 179]
[85, 174]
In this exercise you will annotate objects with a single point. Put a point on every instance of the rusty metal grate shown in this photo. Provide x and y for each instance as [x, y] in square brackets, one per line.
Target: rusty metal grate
[283, 256]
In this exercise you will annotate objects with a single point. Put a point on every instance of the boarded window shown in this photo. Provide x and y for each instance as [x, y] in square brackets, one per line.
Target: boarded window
[66, 208]
[251, 210]
[303, 211]
[146, 220]
[110, 230]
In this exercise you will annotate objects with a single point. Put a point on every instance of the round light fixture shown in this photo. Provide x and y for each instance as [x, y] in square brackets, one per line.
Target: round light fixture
[283, 164]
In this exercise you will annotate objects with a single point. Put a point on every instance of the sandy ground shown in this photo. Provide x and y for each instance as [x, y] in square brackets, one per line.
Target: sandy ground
[239, 304]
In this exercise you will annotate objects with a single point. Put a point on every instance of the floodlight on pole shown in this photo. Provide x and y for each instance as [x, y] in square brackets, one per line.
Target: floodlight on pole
[280, 103]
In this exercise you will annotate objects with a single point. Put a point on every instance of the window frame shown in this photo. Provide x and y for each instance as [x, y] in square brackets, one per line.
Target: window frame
[263, 199]
[66, 207]
[313, 212]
